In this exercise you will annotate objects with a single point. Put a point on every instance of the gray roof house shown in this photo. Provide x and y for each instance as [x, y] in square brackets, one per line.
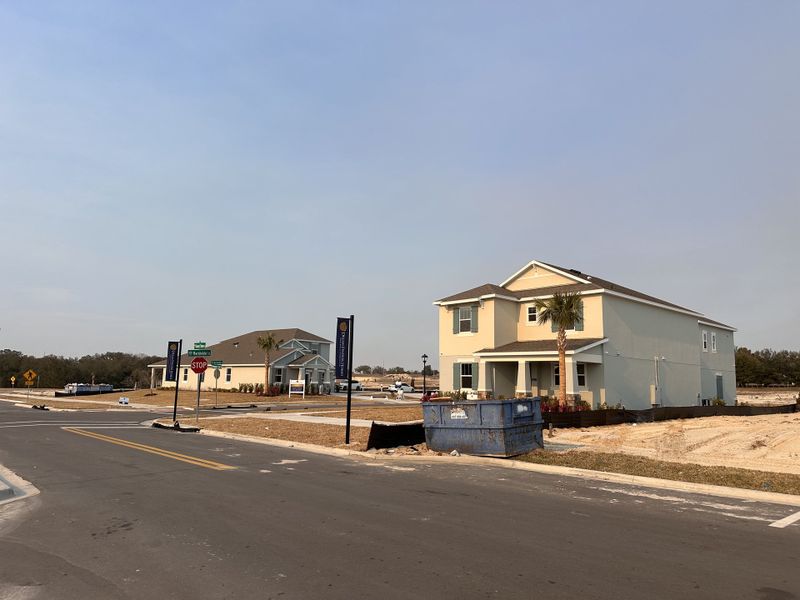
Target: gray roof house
[300, 356]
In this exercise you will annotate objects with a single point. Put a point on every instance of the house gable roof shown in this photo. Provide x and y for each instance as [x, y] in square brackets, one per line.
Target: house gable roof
[583, 283]
[244, 350]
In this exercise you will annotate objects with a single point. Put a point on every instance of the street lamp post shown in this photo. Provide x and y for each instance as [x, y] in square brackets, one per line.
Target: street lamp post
[424, 369]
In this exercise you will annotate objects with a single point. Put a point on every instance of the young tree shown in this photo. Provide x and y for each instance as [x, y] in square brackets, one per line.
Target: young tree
[268, 344]
[564, 311]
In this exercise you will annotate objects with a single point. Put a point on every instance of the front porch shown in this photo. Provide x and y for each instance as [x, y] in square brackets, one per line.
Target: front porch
[521, 374]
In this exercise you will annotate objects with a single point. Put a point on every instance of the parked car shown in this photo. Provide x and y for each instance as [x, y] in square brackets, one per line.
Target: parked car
[400, 386]
[341, 386]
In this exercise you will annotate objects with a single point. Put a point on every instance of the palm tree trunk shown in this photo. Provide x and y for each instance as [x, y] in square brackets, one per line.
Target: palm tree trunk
[561, 343]
[266, 373]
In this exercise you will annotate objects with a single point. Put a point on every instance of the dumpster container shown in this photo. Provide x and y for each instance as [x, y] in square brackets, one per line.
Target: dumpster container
[484, 427]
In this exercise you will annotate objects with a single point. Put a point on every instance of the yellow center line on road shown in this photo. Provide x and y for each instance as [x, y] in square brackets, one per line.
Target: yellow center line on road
[200, 462]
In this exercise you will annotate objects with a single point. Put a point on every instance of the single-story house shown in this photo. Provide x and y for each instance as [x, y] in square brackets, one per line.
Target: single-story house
[630, 348]
[300, 356]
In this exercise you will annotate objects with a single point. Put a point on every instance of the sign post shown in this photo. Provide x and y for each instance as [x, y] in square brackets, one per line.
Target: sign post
[199, 366]
[344, 362]
[13, 380]
[216, 384]
[30, 379]
[173, 366]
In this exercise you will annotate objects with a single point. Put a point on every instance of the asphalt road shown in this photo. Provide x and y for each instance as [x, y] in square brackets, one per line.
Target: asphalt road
[133, 512]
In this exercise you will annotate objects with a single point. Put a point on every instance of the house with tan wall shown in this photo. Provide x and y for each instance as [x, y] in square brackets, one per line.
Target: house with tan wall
[300, 356]
[630, 349]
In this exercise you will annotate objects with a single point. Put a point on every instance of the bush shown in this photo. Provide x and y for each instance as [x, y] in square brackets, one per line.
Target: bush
[717, 402]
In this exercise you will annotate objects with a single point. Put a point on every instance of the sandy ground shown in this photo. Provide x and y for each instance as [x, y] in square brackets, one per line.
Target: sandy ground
[764, 443]
[386, 414]
[766, 396]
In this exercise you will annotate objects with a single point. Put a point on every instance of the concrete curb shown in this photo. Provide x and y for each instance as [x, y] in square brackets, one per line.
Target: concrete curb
[13, 487]
[650, 482]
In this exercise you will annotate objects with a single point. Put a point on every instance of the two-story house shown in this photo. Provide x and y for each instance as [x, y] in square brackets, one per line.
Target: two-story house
[300, 356]
[630, 348]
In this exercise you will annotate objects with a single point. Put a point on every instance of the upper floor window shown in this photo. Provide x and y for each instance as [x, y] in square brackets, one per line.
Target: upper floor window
[532, 314]
[705, 341]
[713, 341]
[465, 319]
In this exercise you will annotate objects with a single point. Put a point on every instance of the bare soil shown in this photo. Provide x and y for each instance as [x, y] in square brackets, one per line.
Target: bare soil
[331, 436]
[647, 467]
[188, 398]
[764, 443]
[388, 414]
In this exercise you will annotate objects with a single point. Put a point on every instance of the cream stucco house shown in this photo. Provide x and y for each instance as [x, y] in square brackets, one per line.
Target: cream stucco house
[300, 356]
[630, 349]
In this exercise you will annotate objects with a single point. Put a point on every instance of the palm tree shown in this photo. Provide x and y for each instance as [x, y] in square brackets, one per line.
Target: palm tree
[563, 310]
[268, 344]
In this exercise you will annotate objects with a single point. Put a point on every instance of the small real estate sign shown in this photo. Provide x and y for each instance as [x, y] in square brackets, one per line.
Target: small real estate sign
[297, 386]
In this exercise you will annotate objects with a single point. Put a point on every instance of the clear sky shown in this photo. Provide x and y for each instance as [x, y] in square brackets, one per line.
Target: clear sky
[201, 170]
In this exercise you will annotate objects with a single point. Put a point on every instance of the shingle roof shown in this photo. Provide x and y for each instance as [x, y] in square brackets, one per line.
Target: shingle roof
[614, 287]
[244, 350]
[590, 283]
[540, 346]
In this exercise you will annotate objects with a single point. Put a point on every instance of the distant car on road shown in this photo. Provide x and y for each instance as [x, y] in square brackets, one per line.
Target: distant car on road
[341, 386]
[400, 386]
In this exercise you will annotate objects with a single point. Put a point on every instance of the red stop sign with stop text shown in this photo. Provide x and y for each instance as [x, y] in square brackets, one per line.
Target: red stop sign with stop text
[199, 364]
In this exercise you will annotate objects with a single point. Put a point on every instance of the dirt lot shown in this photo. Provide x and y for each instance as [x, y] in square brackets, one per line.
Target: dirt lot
[764, 443]
[389, 414]
[331, 436]
[766, 396]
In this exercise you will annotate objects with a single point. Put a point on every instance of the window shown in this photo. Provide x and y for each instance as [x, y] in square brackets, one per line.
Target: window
[532, 314]
[466, 376]
[228, 375]
[556, 377]
[705, 341]
[713, 341]
[581, 374]
[321, 377]
[186, 374]
[464, 319]
[278, 375]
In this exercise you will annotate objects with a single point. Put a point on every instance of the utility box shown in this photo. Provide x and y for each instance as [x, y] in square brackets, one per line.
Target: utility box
[484, 427]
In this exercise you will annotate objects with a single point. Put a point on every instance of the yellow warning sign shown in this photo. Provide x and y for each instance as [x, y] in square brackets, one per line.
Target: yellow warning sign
[29, 375]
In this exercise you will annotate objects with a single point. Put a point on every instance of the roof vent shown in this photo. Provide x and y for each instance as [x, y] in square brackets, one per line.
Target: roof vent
[575, 271]
[235, 344]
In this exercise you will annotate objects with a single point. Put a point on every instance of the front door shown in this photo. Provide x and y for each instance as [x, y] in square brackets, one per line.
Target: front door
[720, 395]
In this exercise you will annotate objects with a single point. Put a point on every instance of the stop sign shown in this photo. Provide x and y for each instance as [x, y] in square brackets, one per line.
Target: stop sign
[199, 364]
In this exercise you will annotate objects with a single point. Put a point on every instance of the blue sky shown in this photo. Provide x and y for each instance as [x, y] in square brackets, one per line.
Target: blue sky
[200, 170]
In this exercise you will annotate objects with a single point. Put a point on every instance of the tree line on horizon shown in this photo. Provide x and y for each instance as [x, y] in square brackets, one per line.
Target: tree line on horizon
[120, 369]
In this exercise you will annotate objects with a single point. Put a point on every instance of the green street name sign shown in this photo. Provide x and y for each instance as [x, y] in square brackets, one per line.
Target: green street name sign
[216, 363]
[199, 352]
[199, 345]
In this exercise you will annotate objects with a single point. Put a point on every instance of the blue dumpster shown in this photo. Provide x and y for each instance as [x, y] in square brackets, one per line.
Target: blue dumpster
[484, 427]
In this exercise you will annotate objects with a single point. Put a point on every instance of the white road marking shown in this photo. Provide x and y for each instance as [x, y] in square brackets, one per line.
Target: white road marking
[287, 461]
[264, 471]
[786, 521]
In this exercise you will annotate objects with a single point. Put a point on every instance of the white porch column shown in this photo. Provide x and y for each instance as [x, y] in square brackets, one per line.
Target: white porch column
[152, 378]
[485, 380]
[301, 374]
[572, 376]
[523, 387]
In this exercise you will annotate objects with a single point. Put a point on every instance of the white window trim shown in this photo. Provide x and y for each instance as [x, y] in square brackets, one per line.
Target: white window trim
[553, 374]
[186, 374]
[705, 341]
[714, 341]
[528, 322]
[228, 374]
[462, 320]
[275, 372]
